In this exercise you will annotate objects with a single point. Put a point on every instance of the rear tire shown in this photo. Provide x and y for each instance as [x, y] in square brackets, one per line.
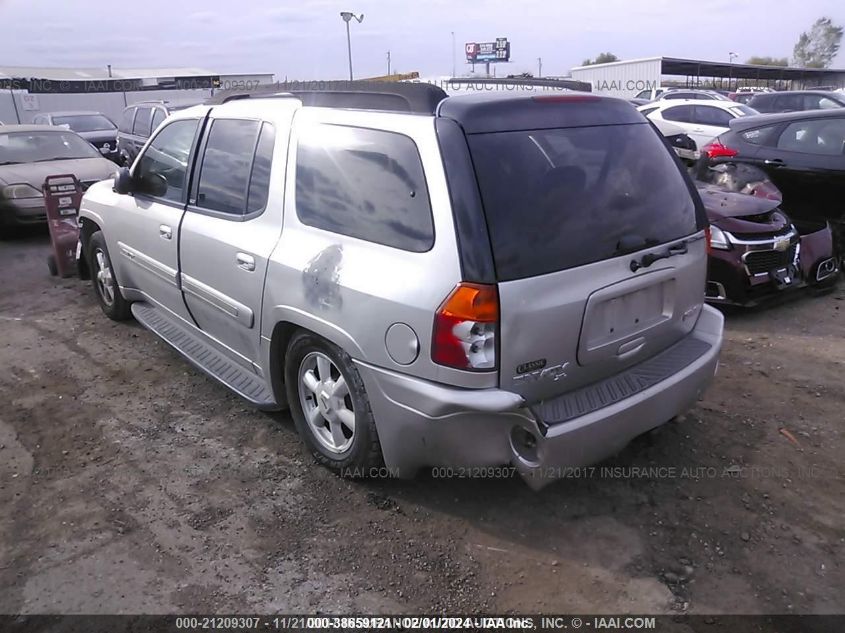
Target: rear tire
[330, 408]
[112, 303]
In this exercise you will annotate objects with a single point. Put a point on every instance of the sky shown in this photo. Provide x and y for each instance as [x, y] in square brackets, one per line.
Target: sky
[307, 39]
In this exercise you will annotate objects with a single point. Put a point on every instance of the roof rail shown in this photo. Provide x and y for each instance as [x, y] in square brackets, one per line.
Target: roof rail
[419, 98]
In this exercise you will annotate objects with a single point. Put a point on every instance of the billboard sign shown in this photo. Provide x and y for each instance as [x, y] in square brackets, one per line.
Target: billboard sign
[484, 52]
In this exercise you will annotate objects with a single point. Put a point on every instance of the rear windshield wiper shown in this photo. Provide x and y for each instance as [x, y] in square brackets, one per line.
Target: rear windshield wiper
[649, 258]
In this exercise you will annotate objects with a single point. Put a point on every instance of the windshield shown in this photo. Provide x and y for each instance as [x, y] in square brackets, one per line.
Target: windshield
[560, 198]
[30, 147]
[84, 122]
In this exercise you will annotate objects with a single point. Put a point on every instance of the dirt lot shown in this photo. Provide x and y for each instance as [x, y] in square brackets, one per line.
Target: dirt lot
[131, 483]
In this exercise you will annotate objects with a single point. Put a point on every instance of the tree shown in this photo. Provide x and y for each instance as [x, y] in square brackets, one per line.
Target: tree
[603, 58]
[768, 61]
[817, 47]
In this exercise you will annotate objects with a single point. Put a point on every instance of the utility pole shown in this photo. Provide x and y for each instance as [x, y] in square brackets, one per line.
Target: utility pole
[539, 67]
[388, 63]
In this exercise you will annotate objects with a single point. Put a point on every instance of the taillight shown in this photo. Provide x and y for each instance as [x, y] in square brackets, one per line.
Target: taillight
[465, 328]
[718, 150]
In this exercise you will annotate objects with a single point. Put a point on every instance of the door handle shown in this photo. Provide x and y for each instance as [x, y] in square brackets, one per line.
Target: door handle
[774, 162]
[165, 232]
[246, 262]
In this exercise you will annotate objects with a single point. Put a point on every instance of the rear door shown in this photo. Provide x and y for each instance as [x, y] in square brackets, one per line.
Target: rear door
[232, 225]
[575, 217]
[807, 164]
[710, 121]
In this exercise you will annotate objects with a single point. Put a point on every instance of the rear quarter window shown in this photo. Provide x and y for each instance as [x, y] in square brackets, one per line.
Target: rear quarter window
[141, 126]
[126, 120]
[560, 198]
[364, 183]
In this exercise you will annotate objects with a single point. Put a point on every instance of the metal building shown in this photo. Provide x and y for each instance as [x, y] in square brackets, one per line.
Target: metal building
[26, 91]
[627, 78]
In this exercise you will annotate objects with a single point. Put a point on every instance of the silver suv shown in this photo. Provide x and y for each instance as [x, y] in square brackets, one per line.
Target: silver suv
[424, 280]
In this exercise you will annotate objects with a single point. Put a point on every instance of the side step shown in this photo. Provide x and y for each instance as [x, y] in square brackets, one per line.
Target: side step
[203, 356]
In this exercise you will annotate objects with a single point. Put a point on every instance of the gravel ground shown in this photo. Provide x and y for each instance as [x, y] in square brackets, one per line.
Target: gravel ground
[131, 483]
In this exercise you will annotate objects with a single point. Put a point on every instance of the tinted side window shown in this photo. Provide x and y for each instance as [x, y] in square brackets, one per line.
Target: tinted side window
[790, 102]
[560, 198]
[679, 113]
[226, 165]
[127, 119]
[142, 122]
[163, 165]
[815, 136]
[367, 184]
[759, 135]
[259, 181]
[712, 116]
[827, 104]
[158, 117]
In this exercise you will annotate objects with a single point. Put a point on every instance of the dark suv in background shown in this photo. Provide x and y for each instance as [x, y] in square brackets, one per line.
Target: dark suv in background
[137, 122]
[94, 127]
[797, 100]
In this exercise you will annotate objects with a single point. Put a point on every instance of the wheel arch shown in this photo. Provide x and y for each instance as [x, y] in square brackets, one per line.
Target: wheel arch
[287, 323]
[87, 228]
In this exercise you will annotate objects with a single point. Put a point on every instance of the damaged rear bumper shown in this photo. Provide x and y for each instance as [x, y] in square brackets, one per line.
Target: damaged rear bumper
[423, 424]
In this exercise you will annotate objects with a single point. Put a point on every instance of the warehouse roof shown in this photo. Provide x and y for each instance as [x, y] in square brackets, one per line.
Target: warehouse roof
[102, 73]
[704, 68]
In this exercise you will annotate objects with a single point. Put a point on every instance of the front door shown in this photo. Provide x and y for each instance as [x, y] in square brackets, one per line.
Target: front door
[146, 253]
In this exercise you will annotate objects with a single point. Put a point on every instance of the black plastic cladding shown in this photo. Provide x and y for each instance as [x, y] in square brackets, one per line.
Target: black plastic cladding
[474, 248]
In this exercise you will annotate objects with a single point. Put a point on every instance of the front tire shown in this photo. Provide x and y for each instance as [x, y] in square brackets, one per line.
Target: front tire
[330, 408]
[112, 303]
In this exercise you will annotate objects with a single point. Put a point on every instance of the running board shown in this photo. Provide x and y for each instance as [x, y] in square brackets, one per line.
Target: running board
[203, 356]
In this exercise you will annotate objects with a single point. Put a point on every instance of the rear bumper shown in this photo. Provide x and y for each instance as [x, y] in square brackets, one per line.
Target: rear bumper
[423, 424]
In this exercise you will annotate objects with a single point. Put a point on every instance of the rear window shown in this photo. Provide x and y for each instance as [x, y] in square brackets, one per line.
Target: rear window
[127, 119]
[560, 198]
[367, 184]
[142, 122]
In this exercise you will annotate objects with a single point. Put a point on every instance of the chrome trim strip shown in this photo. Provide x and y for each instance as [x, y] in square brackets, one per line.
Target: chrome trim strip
[769, 241]
[228, 306]
[170, 275]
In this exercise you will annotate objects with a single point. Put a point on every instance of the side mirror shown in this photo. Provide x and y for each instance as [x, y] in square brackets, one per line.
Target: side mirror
[105, 150]
[123, 181]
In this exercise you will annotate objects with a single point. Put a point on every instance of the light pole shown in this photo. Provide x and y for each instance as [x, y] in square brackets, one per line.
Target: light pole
[539, 67]
[347, 16]
[731, 57]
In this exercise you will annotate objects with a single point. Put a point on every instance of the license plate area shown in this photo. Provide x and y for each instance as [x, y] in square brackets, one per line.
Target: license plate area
[620, 319]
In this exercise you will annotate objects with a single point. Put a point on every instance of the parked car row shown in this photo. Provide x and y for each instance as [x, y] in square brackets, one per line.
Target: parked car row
[772, 186]
[30, 153]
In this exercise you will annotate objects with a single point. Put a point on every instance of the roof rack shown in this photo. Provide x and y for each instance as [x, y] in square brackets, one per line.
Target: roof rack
[418, 98]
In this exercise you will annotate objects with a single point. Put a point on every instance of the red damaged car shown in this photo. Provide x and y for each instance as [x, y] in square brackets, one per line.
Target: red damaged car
[756, 251]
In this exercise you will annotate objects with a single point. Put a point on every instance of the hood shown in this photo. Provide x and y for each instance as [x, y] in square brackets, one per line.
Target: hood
[85, 169]
[742, 213]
